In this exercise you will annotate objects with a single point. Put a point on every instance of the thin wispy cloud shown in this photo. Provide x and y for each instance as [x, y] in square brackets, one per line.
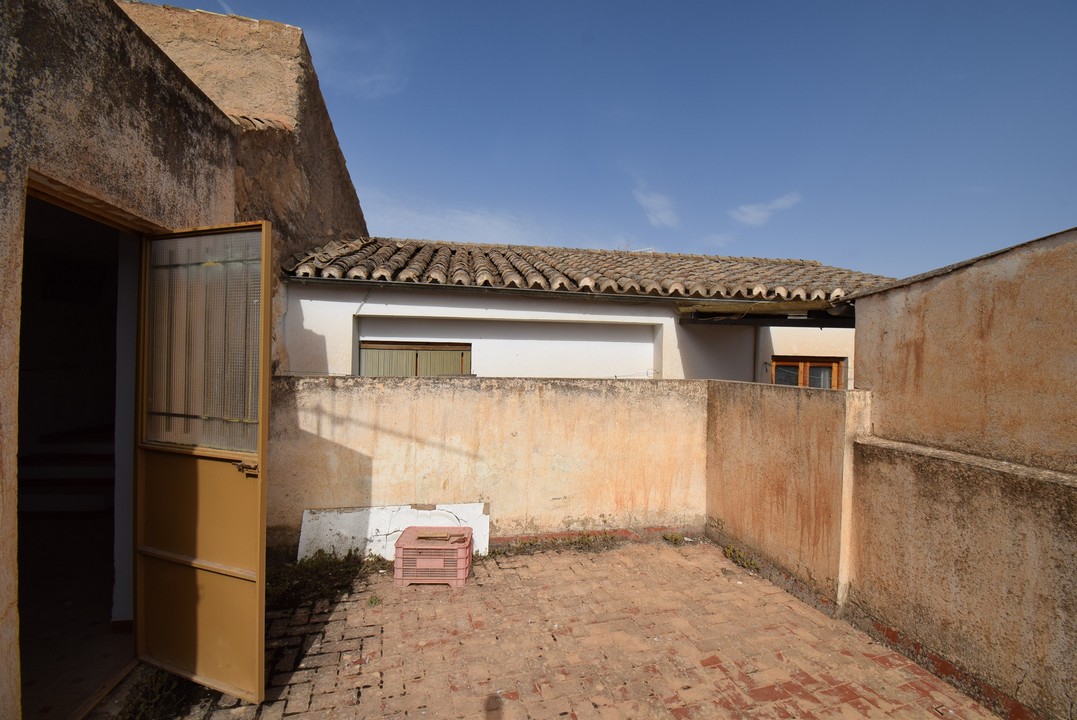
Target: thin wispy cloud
[658, 207]
[391, 217]
[226, 7]
[757, 214]
[369, 68]
[718, 240]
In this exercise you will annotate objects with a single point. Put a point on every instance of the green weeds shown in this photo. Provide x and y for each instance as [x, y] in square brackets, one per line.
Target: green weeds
[584, 542]
[738, 557]
[322, 576]
[160, 695]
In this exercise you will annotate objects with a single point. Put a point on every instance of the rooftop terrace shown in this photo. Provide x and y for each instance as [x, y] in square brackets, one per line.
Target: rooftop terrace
[639, 631]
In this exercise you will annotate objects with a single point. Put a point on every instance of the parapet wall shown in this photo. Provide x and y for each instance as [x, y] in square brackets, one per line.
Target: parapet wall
[779, 476]
[970, 560]
[547, 455]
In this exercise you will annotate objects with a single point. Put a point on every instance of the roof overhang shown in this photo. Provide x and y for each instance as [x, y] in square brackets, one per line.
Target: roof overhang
[774, 314]
[682, 306]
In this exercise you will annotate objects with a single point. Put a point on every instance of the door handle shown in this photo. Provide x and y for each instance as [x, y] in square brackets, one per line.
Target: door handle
[250, 469]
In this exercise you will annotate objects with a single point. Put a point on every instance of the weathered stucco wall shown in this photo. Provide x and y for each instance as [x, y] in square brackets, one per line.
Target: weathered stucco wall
[974, 560]
[779, 474]
[980, 359]
[81, 98]
[548, 455]
[290, 168]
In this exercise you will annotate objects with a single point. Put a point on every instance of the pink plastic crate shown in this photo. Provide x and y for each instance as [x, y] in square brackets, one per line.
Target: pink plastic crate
[433, 555]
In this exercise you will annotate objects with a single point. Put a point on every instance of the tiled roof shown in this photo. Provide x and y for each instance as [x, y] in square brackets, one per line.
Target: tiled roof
[571, 270]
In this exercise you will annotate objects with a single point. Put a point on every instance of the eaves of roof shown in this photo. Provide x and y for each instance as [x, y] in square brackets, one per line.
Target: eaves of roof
[685, 279]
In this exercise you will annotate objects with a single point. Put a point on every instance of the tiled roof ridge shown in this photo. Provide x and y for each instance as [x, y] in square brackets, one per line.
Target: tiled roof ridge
[578, 271]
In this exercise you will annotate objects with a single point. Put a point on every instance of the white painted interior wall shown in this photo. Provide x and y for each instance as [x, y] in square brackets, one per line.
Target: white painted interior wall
[518, 336]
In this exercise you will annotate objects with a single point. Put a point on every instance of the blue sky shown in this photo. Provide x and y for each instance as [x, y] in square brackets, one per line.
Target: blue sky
[889, 137]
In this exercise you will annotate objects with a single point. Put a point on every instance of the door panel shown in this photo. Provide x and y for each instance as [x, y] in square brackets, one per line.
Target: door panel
[211, 646]
[200, 519]
[223, 502]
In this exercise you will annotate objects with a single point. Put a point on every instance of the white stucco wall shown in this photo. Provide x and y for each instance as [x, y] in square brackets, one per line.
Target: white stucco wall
[504, 348]
[517, 336]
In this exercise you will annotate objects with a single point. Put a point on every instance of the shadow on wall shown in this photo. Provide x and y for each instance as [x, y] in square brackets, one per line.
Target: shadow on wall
[294, 451]
[306, 349]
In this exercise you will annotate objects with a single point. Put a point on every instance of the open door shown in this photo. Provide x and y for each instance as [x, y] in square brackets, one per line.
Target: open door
[201, 492]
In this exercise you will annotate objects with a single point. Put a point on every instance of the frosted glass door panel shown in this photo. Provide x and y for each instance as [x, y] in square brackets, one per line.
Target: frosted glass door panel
[204, 310]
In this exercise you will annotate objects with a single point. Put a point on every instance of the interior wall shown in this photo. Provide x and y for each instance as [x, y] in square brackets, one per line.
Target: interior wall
[67, 331]
[123, 581]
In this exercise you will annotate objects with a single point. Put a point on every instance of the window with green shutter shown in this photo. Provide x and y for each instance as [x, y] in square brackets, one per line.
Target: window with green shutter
[406, 359]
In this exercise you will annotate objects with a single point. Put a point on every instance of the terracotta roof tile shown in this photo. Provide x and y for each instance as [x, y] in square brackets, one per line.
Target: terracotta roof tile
[572, 270]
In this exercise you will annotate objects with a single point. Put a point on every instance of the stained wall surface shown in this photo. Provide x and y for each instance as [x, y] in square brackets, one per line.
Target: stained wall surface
[974, 560]
[979, 359]
[81, 92]
[548, 455]
[779, 474]
[289, 164]
[965, 504]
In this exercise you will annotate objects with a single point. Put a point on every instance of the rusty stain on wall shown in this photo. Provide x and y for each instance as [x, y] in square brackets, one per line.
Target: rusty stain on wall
[776, 473]
[945, 372]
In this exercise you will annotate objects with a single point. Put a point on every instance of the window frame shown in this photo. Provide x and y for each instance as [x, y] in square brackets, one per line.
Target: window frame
[837, 365]
[416, 347]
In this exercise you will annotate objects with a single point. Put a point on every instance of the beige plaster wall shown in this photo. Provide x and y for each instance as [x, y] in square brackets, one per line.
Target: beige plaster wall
[105, 117]
[548, 455]
[980, 359]
[974, 559]
[779, 476]
[290, 169]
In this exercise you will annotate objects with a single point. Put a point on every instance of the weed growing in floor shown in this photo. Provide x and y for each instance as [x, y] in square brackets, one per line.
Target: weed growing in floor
[374, 600]
[673, 538]
[738, 557]
[584, 542]
[160, 695]
[322, 576]
[377, 564]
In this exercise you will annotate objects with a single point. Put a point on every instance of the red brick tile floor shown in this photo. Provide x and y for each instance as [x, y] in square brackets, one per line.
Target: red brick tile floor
[641, 631]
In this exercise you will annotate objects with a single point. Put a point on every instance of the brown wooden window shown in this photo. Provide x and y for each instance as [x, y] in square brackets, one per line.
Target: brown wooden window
[404, 359]
[808, 372]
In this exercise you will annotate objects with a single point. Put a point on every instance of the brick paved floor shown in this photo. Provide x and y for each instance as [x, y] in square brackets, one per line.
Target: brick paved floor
[642, 631]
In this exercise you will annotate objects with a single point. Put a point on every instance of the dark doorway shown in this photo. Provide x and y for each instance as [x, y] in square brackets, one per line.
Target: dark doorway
[76, 409]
